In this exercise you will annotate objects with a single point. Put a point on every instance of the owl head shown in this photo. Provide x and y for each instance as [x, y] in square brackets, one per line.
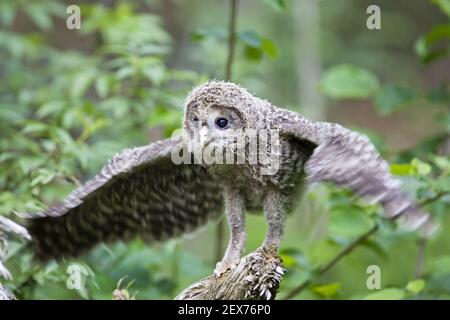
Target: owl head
[219, 111]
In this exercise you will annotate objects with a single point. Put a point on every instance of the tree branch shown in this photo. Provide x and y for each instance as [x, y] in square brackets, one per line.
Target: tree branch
[420, 262]
[231, 39]
[344, 252]
[256, 277]
[349, 248]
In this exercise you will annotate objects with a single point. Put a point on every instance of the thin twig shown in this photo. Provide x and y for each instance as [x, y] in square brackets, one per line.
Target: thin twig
[350, 247]
[344, 252]
[220, 229]
[432, 199]
[420, 262]
[231, 39]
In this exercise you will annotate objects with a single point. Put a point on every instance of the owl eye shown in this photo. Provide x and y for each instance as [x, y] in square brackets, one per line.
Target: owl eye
[221, 122]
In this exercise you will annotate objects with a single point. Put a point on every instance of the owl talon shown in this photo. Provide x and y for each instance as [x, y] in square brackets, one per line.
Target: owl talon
[224, 266]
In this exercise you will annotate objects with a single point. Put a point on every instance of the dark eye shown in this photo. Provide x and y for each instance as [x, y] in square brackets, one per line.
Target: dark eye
[221, 122]
[195, 119]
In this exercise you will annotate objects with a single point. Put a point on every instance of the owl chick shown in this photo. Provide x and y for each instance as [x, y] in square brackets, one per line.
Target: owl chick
[163, 190]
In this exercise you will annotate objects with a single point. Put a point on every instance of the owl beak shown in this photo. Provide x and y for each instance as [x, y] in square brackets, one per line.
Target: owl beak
[204, 138]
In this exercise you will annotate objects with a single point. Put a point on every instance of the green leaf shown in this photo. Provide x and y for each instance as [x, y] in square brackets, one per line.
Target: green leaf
[442, 163]
[294, 257]
[62, 136]
[255, 46]
[420, 168]
[81, 82]
[442, 184]
[7, 13]
[39, 15]
[252, 53]
[125, 72]
[392, 97]
[348, 221]
[347, 81]
[70, 118]
[204, 33]
[441, 94]
[425, 44]
[327, 290]
[51, 107]
[277, 5]
[250, 38]
[35, 127]
[155, 73]
[269, 47]
[401, 169]
[27, 164]
[9, 115]
[377, 248]
[288, 260]
[441, 265]
[386, 294]
[43, 176]
[416, 286]
[444, 5]
[102, 86]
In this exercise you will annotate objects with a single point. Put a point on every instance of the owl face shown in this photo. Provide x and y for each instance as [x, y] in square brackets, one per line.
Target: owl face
[213, 123]
[217, 119]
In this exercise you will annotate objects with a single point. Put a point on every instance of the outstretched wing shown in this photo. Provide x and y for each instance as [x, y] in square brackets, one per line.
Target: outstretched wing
[350, 160]
[139, 192]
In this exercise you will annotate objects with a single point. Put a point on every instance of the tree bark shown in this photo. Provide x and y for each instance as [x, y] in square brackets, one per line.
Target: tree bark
[256, 277]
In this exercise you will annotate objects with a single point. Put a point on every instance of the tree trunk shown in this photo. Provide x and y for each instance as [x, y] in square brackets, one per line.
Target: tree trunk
[256, 277]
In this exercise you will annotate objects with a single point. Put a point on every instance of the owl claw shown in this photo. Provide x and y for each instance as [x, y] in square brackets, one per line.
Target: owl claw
[224, 266]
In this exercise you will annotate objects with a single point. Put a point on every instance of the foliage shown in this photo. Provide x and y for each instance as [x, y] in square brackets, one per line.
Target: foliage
[348, 81]
[64, 112]
[427, 179]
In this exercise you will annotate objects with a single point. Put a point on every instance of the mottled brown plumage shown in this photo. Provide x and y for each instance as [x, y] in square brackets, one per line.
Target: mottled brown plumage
[139, 192]
[142, 192]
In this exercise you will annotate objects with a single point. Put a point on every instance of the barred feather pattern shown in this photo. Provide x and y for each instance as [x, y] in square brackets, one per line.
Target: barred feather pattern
[139, 192]
[348, 159]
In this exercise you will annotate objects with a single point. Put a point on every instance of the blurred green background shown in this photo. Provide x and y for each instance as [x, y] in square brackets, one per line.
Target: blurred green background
[70, 99]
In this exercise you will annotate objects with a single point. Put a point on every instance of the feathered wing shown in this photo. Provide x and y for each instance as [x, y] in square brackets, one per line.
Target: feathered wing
[349, 159]
[139, 192]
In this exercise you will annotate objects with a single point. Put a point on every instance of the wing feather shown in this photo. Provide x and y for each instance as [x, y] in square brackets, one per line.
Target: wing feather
[348, 159]
[140, 191]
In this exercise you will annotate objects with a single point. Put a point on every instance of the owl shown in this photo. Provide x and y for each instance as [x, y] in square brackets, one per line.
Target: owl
[260, 158]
